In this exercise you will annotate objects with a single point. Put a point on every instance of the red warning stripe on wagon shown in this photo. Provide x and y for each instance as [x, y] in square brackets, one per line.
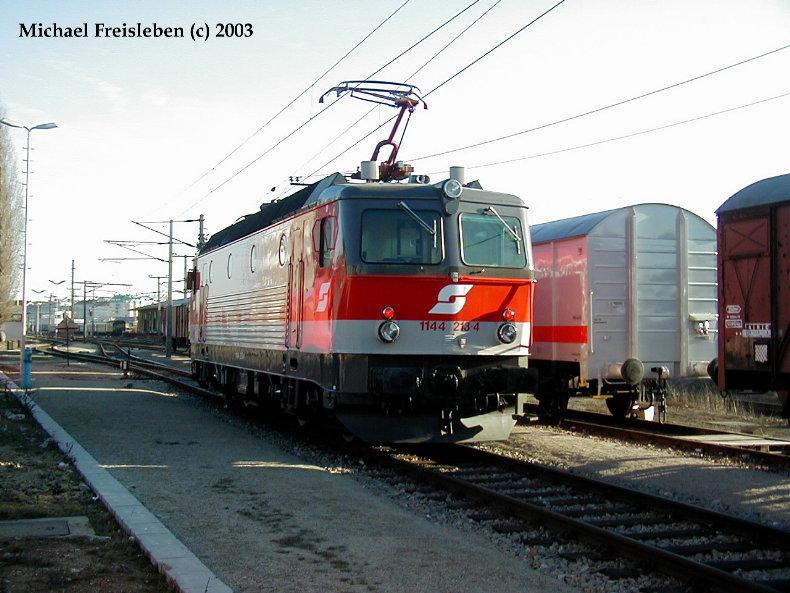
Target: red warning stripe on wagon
[565, 334]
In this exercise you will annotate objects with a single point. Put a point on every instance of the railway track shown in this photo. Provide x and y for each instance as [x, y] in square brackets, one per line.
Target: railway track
[106, 349]
[701, 547]
[706, 549]
[769, 452]
[137, 364]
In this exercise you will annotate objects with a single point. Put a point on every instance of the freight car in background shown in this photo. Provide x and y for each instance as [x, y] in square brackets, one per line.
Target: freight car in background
[116, 327]
[754, 290]
[151, 322]
[622, 294]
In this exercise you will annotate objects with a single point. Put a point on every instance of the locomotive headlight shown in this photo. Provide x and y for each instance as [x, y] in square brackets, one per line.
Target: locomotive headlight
[507, 333]
[389, 331]
[452, 188]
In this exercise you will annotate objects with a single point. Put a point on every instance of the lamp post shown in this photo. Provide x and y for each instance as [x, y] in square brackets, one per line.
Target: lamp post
[22, 343]
[38, 312]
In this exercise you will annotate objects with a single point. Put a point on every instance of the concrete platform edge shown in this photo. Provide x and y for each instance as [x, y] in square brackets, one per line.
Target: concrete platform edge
[181, 567]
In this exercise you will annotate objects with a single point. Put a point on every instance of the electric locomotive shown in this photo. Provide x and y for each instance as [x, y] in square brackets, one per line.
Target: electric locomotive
[398, 307]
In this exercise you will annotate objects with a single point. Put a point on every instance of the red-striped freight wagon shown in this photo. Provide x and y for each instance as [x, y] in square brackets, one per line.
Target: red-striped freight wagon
[621, 294]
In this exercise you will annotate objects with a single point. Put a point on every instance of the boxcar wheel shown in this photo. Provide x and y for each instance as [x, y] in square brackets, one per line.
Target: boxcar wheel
[619, 405]
[553, 407]
[784, 400]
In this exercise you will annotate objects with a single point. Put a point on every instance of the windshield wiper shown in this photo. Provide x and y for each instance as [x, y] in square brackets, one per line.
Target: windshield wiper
[430, 230]
[509, 230]
[415, 216]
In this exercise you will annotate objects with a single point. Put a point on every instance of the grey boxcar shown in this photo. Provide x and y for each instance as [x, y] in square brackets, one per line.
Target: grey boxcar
[619, 293]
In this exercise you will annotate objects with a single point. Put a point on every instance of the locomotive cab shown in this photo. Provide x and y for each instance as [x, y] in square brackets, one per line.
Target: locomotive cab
[433, 310]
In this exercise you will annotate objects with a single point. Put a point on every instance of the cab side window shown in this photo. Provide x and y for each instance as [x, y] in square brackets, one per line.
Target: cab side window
[326, 240]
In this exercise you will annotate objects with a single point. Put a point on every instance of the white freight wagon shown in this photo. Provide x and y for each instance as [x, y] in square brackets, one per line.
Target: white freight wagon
[620, 293]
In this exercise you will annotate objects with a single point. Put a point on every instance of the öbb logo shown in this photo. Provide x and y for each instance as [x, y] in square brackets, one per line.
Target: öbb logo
[451, 299]
[323, 297]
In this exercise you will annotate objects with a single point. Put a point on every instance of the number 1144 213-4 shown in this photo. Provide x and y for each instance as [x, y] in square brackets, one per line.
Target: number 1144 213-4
[455, 326]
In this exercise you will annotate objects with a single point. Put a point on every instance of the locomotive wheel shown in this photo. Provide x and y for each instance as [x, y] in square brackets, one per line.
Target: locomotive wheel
[619, 405]
[553, 407]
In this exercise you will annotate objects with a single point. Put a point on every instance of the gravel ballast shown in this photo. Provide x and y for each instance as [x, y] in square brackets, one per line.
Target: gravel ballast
[720, 485]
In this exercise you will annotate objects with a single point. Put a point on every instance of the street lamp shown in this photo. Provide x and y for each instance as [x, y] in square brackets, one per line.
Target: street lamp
[51, 322]
[38, 312]
[22, 343]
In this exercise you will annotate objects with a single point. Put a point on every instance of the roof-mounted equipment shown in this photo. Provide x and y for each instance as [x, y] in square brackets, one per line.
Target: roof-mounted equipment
[402, 96]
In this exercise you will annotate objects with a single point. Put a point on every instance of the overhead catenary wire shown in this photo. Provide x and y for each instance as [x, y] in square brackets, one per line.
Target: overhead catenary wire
[496, 47]
[568, 118]
[453, 76]
[298, 96]
[312, 117]
[453, 40]
[604, 107]
[175, 240]
[137, 251]
[368, 77]
[625, 136]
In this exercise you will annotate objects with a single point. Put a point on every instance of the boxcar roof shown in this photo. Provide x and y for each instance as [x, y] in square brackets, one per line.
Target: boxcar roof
[766, 191]
[566, 228]
[176, 302]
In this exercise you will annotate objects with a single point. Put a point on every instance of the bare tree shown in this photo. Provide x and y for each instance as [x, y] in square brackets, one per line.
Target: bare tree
[10, 223]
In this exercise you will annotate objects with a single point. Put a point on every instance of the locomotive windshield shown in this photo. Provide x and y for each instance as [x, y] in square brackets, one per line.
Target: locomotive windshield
[492, 241]
[401, 236]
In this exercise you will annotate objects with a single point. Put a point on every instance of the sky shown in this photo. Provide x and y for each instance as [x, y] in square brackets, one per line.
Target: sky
[144, 124]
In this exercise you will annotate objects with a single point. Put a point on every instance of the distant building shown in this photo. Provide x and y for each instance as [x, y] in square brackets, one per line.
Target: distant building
[67, 328]
[44, 316]
[101, 310]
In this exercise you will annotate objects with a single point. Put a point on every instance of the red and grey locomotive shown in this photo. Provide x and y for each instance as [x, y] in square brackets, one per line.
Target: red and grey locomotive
[401, 309]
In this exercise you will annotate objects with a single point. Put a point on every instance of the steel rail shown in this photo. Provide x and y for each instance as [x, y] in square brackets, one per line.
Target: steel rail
[668, 435]
[140, 361]
[710, 522]
[668, 562]
[140, 365]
